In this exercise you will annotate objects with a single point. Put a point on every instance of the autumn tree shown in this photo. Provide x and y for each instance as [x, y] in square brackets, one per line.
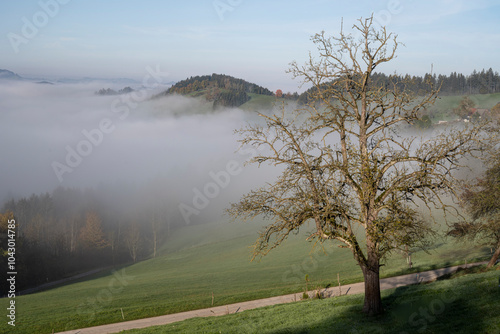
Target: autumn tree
[495, 112]
[347, 169]
[464, 108]
[92, 235]
[480, 200]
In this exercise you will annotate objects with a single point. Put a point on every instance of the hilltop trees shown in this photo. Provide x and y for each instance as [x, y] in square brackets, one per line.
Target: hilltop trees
[221, 81]
[347, 170]
[223, 90]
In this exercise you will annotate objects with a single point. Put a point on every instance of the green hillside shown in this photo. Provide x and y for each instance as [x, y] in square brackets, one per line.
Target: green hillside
[199, 261]
[260, 102]
[467, 304]
[443, 108]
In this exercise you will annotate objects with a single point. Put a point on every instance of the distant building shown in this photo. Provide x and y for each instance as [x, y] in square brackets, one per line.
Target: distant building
[479, 112]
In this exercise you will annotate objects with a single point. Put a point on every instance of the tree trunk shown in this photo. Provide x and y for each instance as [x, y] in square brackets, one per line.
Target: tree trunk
[494, 258]
[154, 244]
[373, 300]
[154, 229]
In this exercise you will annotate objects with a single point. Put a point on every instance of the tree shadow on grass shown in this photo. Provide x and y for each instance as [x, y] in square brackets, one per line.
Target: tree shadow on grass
[464, 253]
[406, 311]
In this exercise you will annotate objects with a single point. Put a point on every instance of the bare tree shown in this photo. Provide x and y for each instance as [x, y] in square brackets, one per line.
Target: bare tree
[480, 200]
[347, 169]
[133, 240]
[154, 229]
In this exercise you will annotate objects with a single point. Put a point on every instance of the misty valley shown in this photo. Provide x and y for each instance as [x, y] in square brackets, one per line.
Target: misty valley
[249, 167]
[100, 178]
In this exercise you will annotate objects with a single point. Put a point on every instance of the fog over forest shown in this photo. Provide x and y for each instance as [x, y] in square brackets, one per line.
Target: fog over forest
[177, 140]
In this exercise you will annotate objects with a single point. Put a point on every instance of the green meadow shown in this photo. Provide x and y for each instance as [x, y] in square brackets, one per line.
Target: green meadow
[203, 260]
[466, 304]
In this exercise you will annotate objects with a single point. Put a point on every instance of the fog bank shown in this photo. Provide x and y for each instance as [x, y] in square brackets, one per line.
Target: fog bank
[65, 135]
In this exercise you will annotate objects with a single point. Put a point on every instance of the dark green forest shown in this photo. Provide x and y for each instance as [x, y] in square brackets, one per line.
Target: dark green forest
[223, 90]
[484, 82]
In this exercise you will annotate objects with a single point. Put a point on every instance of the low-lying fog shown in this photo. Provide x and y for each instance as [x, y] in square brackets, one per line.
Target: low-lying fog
[172, 148]
[65, 135]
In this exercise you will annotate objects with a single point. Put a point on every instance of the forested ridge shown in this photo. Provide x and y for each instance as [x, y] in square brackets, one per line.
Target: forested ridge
[484, 82]
[222, 90]
[225, 90]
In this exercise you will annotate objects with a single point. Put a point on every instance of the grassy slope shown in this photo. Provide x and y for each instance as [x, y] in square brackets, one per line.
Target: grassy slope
[201, 260]
[486, 100]
[443, 108]
[259, 102]
[467, 304]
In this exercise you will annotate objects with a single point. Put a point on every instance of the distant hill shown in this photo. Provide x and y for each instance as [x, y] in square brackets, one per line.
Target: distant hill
[9, 75]
[222, 90]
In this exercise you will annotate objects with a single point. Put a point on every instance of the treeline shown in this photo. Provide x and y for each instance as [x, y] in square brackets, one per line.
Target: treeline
[230, 98]
[221, 81]
[109, 91]
[225, 90]
[484, 82]
[70, 230]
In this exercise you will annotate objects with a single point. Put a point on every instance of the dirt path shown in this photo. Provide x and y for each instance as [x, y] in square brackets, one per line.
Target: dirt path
[385, 283]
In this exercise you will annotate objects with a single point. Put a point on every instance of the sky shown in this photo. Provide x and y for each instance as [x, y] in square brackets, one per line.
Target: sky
[253, 40]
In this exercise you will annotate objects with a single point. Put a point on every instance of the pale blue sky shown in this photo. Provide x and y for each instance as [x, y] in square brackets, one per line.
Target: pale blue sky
[253, 40]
